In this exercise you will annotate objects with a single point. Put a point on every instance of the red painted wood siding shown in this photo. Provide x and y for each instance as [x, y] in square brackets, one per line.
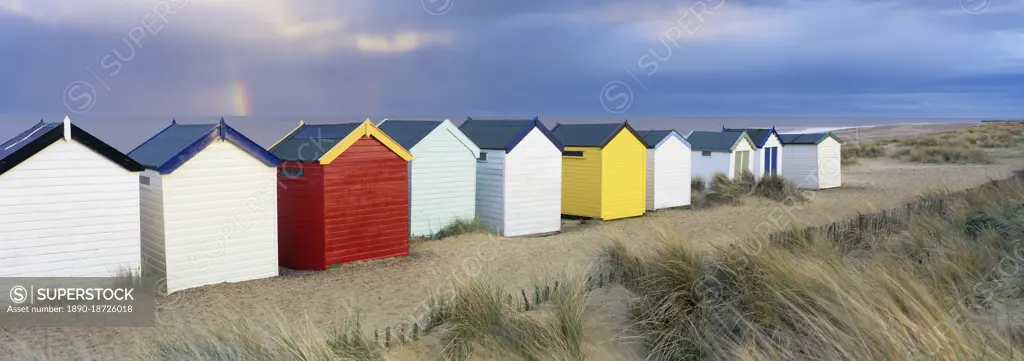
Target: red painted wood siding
[300, 218]
[367, 204]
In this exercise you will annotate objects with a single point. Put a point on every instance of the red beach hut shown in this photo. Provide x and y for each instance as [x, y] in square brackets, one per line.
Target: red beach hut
[343, 195]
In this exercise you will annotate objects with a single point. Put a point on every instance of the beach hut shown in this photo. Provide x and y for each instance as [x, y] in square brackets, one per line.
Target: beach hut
[209, 206]
[720, 152]
[442, 175]
[604, 170]
[668, 169]
[813, 160]
[519, 175]
[343, 195]
[768, 155]
[69, 205]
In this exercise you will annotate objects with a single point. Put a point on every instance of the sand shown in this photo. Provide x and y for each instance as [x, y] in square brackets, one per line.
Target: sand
[870, 134]
[391, 292]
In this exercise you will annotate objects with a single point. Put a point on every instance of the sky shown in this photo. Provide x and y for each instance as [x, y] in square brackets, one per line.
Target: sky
[585, 58]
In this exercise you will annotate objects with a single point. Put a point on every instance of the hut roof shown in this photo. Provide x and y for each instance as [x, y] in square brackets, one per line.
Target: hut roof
[324, 142]
[758, 135]
[654, 137]
[716, 141]
[589, 135]
[503, 133]
[408, 133]
[41, 135]
[807, 138]
[169, 149]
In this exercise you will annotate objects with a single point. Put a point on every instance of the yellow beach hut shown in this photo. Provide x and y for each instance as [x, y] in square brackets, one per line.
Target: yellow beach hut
[604, 170]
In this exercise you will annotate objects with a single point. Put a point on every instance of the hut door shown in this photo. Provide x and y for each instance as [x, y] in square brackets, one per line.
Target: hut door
[771, 161]
[742, 163]
[737, 167]
[746, 160]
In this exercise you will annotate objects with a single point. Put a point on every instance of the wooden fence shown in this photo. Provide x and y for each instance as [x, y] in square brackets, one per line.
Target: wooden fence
[884, 221]
[527, 301]
[888, 220]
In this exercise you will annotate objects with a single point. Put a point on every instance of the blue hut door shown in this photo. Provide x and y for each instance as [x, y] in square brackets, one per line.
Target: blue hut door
[771, 160]
[767, 161]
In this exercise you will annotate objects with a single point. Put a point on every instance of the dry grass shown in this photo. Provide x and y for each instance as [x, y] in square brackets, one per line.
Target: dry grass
[460, 227]
[851, 153]
[724, 190]
[958, 146]
[484, 320]
[476, 319]
[697, 184]
[955, 154]
[917, 291]
[778, 189]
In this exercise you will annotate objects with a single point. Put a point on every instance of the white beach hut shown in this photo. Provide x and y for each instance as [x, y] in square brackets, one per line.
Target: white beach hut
[69, 205]
[519, 175]
[668, 169]
[720, 152]
[813, 160]
[768, 156]
[209, 206]
[442, 173]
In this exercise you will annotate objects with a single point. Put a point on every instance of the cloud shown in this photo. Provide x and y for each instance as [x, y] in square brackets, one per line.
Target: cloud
[392, 56]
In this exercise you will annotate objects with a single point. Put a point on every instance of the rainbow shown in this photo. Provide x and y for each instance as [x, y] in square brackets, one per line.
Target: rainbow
[240, 99]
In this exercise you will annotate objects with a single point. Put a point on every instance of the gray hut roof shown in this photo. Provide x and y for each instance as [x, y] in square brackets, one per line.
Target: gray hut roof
[503, 133]
[408, 133]
[589, 135]
[319, 139]
[654, 137]
[807, 138]
[716, 141]
[758, 135]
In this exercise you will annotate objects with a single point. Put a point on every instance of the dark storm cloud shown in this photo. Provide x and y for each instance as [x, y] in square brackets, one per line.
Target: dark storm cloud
[909, 57]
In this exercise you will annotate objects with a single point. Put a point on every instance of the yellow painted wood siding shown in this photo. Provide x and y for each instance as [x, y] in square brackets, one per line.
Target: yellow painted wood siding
[581, 182]
[623, 177]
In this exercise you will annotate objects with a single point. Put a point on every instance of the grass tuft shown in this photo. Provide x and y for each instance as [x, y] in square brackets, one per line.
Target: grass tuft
[921, 288]
[779, 189]
[460, 227]
[697, 184]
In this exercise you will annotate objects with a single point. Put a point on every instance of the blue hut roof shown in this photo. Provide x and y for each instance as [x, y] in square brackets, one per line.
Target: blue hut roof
[169, 149]
[26, 144]
[760, 136]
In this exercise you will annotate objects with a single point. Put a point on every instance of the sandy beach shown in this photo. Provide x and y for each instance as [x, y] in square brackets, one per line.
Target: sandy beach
[391, 292]
[870, 134]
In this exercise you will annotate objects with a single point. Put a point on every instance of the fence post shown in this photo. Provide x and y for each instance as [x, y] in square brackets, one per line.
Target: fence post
[525, 300]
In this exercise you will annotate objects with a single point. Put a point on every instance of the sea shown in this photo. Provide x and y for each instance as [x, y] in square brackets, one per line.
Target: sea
[127, 132]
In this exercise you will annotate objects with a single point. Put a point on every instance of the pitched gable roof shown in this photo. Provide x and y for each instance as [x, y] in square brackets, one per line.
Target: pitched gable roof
[408, 133]
[323, 143]
[503, 133]
[807, 138]
[169, 149]
[654, 137]
[716, 141]
[760, 136]
[590, 135]
[41, 135]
